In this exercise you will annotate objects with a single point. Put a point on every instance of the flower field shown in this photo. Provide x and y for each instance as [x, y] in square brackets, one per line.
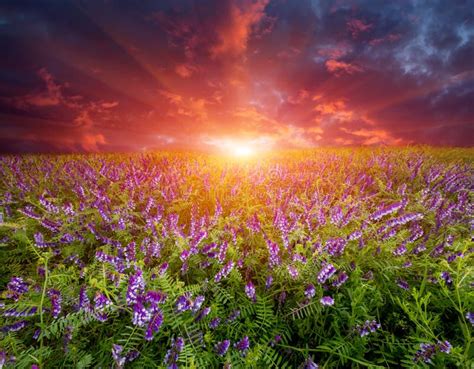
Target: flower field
[325, 258]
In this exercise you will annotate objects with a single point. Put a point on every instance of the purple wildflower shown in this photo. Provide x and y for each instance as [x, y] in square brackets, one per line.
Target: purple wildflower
[369, 326]
[172, 354]
[326, 273]
[203, 313]
[403, 284]
[341, 278]
[425, 353]
[293, 271]
[15, 327]
[470, 317]
[444, 346]
[222, 347]
[400, 250]
[198, 301]
[243, 345]
[56, 300]
[214, 323]
[250, 291]
[183, 303]
[335, 246]
[117, 355]
[446, 277]
[141, 315]
[310, 291]
[154, 325]
[327, 301]
[136, 286]
[224, 272]
[386, 211]
[101, 302]
[16, 287]
[268, 282]
[274, 251]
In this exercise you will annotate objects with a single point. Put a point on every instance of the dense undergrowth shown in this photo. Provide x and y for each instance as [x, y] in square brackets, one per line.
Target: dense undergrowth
[336, 258]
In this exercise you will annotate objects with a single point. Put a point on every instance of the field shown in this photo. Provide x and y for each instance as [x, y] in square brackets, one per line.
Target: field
[334, 258]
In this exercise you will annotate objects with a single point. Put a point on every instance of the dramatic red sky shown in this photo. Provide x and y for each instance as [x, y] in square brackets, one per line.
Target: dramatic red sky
[98, 75]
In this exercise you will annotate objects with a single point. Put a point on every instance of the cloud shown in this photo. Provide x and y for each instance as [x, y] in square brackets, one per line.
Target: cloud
[357, 26]
[233, 35]
[184, 70]
[339, 67]
[49, 95]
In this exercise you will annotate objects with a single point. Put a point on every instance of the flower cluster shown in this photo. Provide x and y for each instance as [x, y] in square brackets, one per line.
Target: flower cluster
[428, 350]
[368, 327]
[325, 273]
[56, 301]
[172, 354]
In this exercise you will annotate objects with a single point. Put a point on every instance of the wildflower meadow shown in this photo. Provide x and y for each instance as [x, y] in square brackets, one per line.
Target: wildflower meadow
[329, 258]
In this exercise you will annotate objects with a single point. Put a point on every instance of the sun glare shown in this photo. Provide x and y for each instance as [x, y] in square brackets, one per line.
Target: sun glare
[242, 151]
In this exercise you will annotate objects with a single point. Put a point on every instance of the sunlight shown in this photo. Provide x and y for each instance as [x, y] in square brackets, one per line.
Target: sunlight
[241, 150]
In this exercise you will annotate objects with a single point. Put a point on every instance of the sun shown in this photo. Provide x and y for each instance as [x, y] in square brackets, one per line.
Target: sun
[242, 151]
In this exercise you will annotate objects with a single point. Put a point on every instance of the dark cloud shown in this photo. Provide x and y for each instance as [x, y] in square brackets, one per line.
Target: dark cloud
[123, 75]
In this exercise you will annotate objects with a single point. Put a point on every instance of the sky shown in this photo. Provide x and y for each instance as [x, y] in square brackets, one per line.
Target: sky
[115, 75]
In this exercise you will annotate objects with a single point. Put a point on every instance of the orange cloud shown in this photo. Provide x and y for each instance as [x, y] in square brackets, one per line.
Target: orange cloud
[374, 136]
[184, 70]
[234, 35]
[339, 67]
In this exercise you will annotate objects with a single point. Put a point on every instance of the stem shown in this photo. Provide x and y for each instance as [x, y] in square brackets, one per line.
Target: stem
[43, 295]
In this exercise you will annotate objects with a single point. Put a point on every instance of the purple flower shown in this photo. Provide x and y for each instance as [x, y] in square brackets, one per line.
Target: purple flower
[310, 291]
[154, 325]
[222, 347]
[16, 287]
[444, 346]
[335, 246]
[154, 298]
[117, 355]
[141, 315]
[403, 284]
[470, 317]
[268, 282]
[425, 353]
[250, 291]
[243, 345]
[15, 327]
[387, 210]
[183, 303]
[274, 251]
[101, 302]
[327, 301]
[369, 326]
[163, 268]
[293, 271]
[214, 323]
[56, 300]
[326, 273]
[224, 272]
[400, 250]
[17, 314]
[341, 278]
[203, 313]
[198, 301]
[172, 354]
[136, 286]
[446, 277]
